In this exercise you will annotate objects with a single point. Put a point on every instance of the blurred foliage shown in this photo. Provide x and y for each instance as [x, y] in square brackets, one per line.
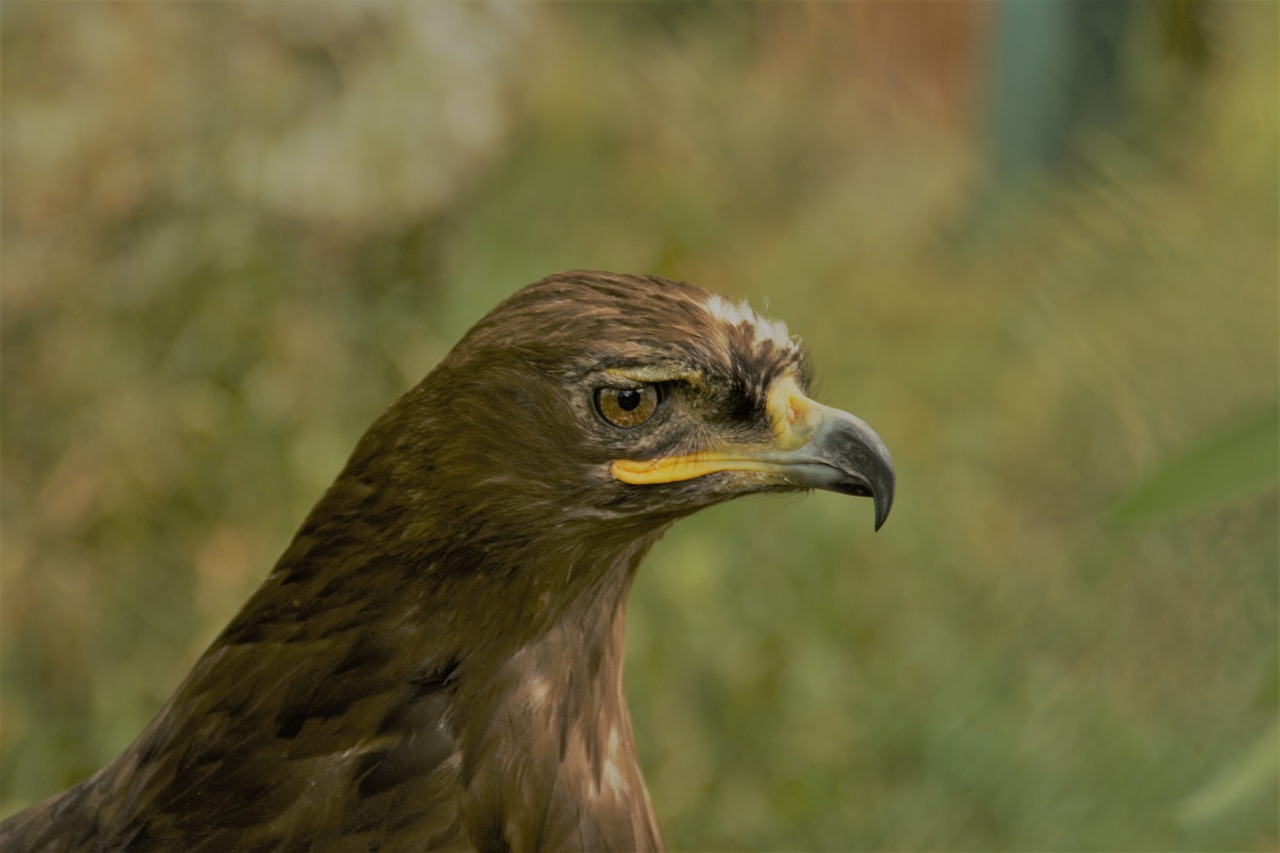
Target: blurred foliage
[232, 233]
[1237, 460]
[1251, 776]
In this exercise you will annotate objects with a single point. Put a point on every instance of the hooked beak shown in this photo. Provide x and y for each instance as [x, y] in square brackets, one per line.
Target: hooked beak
[814, 447]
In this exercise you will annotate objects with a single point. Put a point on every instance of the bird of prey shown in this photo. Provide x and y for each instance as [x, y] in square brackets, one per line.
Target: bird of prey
[435, 662]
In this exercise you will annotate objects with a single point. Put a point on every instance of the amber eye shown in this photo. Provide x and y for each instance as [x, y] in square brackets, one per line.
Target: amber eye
[628, 407]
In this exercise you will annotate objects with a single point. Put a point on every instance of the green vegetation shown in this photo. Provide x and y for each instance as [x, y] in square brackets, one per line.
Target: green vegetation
[232, 234]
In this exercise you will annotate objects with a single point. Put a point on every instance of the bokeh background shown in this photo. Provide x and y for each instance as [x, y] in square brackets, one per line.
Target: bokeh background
[1034, 244]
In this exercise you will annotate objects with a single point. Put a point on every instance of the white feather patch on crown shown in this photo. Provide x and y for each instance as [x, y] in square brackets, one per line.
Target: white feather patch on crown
[740, 313]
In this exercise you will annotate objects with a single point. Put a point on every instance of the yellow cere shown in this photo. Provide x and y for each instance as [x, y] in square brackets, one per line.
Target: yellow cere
[792, 414]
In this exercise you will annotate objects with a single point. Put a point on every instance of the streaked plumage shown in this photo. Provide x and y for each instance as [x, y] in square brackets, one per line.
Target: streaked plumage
[435, 661]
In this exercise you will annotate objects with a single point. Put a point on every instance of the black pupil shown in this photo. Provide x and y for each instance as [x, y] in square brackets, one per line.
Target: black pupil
[628, 399]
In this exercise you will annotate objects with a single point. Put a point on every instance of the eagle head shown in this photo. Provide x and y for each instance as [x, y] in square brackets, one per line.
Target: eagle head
[597, 404]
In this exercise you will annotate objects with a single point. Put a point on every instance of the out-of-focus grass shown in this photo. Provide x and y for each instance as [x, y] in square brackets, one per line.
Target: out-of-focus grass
[233, 234]
[1235, 462]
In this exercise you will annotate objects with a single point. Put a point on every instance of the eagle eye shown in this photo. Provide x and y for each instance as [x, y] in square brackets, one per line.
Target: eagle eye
[628, 407]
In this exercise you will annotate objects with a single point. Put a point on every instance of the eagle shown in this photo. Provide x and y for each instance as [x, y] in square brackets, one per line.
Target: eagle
[435, 662]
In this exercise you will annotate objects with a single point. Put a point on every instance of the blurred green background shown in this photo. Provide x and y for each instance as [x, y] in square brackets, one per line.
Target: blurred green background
[1033, 244]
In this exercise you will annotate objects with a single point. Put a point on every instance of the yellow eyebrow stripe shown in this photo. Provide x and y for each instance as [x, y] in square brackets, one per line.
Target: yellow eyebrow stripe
[657, 373]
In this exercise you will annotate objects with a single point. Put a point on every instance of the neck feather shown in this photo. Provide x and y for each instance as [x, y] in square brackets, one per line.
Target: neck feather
[554, 711]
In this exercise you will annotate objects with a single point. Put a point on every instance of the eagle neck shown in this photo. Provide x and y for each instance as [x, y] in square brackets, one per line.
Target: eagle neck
[556, 711]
